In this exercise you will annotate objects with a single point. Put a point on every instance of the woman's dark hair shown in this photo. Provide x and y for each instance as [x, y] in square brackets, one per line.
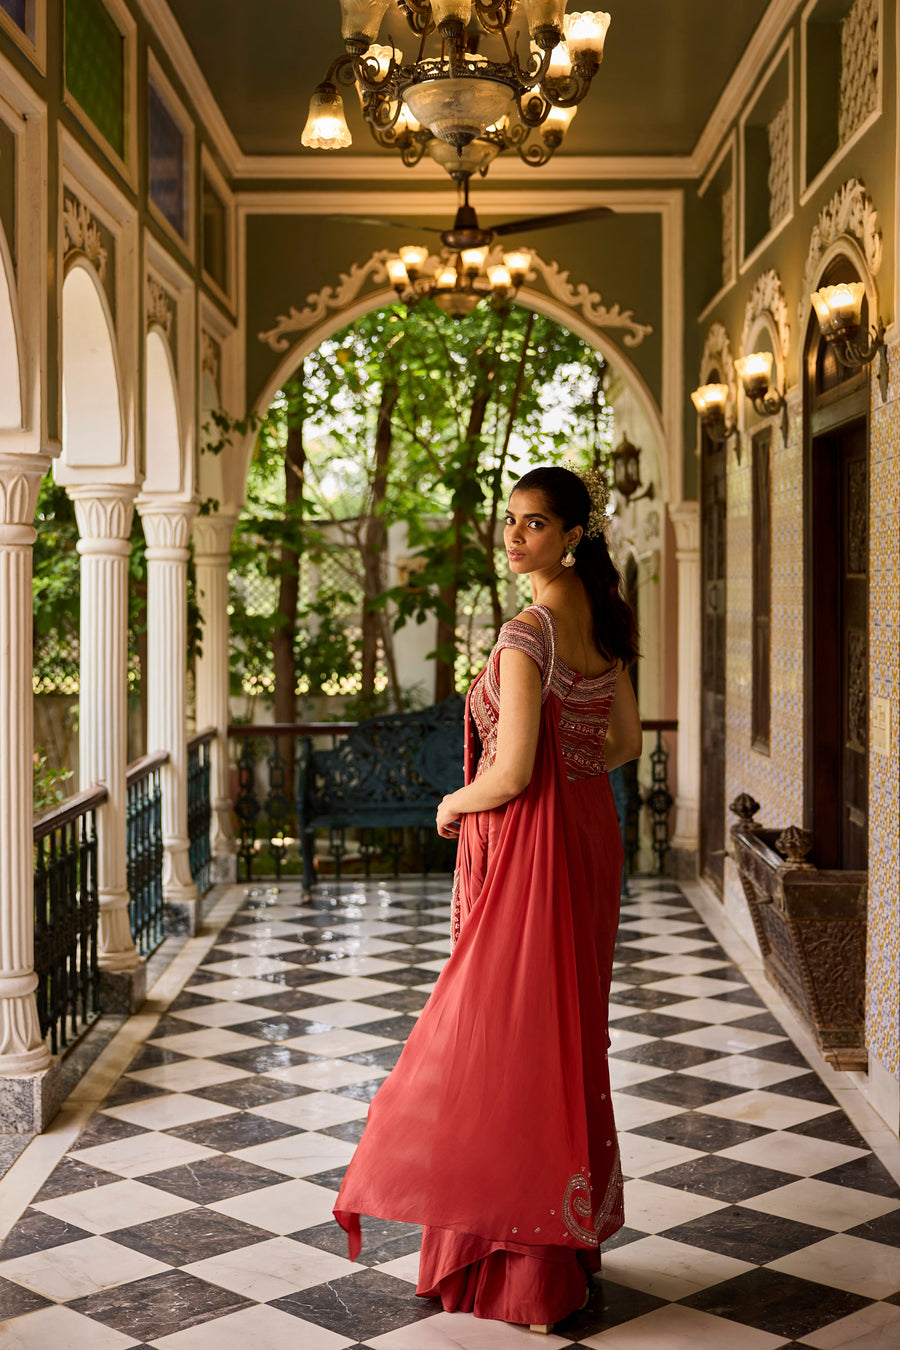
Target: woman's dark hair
[615, 630]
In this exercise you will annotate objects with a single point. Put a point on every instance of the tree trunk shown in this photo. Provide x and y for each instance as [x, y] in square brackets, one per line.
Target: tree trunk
[374, 544]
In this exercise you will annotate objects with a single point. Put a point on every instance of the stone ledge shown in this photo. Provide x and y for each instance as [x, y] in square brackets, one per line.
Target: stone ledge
[122, 992]
[28, 1102]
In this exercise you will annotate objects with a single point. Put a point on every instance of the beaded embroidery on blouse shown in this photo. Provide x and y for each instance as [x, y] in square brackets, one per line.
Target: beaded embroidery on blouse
[585, 703]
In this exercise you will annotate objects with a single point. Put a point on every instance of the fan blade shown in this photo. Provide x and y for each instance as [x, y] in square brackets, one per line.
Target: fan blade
[381, 223]
[559, 218]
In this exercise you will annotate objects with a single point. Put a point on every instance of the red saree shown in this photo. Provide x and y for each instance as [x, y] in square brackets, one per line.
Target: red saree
[495, 1129]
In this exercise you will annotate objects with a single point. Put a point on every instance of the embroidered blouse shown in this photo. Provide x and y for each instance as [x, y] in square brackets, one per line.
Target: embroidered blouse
[584, 703]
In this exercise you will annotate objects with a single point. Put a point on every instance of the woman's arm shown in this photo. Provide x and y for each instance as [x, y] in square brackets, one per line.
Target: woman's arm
[517, 737]
[624, 738]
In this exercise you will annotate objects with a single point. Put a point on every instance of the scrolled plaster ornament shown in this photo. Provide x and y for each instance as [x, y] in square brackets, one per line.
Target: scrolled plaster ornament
[767, 297]
[210, 356]
[717, 356]
[850, 211]
[576, 298]
[159, 306]
[83, 235]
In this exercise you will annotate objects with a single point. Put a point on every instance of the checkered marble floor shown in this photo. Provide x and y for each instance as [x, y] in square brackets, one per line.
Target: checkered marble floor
[194, 1210]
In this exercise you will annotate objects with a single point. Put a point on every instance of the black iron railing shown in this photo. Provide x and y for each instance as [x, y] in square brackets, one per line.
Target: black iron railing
[656, 799]
[145, 851]
[200, 807]
[66, 917]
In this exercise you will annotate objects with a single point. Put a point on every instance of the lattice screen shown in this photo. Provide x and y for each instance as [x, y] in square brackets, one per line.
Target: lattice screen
[859, 67]
[779, 130]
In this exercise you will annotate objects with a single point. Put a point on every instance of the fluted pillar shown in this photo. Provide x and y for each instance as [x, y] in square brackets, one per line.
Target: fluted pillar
[29, 1082]
[212, 557]
[104, 515]
[686, 522]
[167, 527]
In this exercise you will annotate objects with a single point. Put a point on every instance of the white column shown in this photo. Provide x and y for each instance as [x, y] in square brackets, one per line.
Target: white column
[686, 521]
[212, 557]
[167, 527]
[104, 515]
[22, 1048]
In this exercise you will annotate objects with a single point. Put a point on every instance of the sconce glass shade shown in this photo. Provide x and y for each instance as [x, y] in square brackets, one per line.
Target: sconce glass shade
[442, 10]
[326, 126]
[445, 278]
[626, 460]
[500, 279]
[517, 264]
[414, 258]
[458, 110]
[406, 122]
[839, 308]
[463, 161]
[545, 17]
[361, 19]
[710, 400]
[382, 56]
[560, 67]
[472, 260]
[755, 372]
[586, 35]
[458, 304]
[557, 123]
[397, 273]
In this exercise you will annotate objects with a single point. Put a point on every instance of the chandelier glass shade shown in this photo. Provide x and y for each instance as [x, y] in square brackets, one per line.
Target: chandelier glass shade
[457, 282]
[453, 96]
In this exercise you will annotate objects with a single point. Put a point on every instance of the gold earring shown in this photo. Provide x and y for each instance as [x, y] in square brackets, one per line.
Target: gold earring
[568, 558]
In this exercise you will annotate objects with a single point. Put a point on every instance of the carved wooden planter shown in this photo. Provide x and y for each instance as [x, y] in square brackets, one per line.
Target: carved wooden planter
[811, 928]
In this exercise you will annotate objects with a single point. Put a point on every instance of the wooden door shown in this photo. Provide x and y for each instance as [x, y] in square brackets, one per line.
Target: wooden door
[840, 675]
[712, 693]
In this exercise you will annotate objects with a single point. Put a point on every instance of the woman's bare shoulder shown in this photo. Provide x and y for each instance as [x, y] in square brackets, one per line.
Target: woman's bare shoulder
[528, 616]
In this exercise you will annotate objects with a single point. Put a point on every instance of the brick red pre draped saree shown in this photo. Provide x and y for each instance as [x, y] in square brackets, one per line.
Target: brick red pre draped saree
[495, 1129]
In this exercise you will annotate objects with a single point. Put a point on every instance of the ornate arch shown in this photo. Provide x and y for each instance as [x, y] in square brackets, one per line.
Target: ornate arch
[717, 355]
[847, 224]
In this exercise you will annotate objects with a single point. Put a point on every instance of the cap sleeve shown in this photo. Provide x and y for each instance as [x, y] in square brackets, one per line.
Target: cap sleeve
[523, 637]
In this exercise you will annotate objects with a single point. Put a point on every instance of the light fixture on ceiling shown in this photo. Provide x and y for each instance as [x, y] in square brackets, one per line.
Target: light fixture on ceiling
[839, 311]
[459, 281]
[755, 373]
[626, 460]
[711, 402]
[454, 97]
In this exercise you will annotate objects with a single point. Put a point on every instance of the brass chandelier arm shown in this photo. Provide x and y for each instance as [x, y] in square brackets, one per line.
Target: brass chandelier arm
[418, 15]
[494, 14]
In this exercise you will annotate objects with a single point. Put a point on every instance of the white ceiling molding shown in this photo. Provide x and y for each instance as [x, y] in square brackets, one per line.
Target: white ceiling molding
[442, 203]
[318, 167]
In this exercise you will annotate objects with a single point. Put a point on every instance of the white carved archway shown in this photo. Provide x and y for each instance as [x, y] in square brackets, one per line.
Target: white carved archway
[163, 459]
[10, 347]
[93, 430]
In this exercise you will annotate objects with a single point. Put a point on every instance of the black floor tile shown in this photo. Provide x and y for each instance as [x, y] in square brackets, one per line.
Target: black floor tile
[780, 1304]
[349, 1130]
[626, 974]
[247, 1092]
[16, 1301]
[273, 1029]
[330, 1180]
[129, 1090]
[645, 996]
[746, 1234]
[667, 1054]
[403, 1001]
[807, 1086]
[159, 1305]
[292, 1000]
[359, 1092]
[696, 1129]
[381, 1240]
[385, 1058]
[295, 977]
[70, 1176]
[678, 1089]
[192, 1235]
[38, 1232]
[655, 1024]
[721, 1178]
[264, 1058]
[884, 1229]
[211, 1179]
[410, 975]
[229, 1133]
[394, 1028]
[782, 1052]
[102, 1129]
[835, 1128]
[763, 1021]
[151, 1056]
[864, 1174]
[367, 1305]
[609, 1305]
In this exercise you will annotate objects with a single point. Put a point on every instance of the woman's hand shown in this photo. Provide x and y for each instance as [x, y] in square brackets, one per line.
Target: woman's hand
[447, 820]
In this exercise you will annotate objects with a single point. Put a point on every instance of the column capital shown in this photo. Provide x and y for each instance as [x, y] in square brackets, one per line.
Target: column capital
[20, 483]
[212, 535]
[685, 518]
[102, 511]
[167, 525]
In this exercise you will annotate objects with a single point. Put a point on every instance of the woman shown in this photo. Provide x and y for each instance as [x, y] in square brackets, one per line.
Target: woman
[495, 1129]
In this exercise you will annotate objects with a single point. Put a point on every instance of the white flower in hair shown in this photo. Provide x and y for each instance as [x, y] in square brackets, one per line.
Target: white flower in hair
[598, 491]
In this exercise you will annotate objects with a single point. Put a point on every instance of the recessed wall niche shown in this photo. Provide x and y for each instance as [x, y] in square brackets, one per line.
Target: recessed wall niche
[716, 227]
[766, 155]
[841, 75]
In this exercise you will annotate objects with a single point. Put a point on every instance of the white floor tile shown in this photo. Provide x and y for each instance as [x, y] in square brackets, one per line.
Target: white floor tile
[210, 1041]
[335, 1044]
[623, 1073]
[353, 987]
[659, 925]
[678, 1328]
[121, 1204]
[314, 1111]
[76, 1269]
[403, 1268]
[871, 1269]
[745, 1071]
[328, 1073]
[355, 965]
[234, 989]
[247, 967]
[793, 1153]
[370, 927]
[270, 1270]
[343, 1013]
[669, 944]
[667, 1269]
[697, 986]
[652, 1209]
[711, 1010]
[734, 1040]
[186, 1075]
[630, 1111]
[681, 965]
[299, 1155]
[462, 1331]
[143, 1153]
[769, 1109]
[271, 928]
[360, 946]
[642, 1155]
[286, 1208]
[620, 1039]
[164, 1113]
[823, 1204]
[261, 1327]
[224, 1014]
[876, 1327]
[60, 1329]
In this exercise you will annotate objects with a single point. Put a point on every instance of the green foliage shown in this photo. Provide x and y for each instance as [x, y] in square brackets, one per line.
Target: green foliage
[49, 784]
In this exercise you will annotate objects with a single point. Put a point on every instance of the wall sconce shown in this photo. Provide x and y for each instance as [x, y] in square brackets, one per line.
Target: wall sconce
[710, 400]
[626, 459]
[755, 373]
[839, 311]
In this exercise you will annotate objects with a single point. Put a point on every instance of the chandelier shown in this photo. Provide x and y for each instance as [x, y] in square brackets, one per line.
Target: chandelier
[459, 106]
[457, 282]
